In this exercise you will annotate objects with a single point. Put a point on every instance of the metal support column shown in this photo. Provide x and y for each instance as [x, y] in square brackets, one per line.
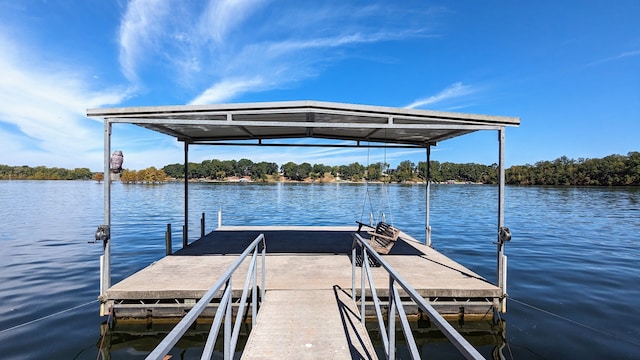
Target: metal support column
[502, 275]
[185, 232]
[105, 259]
[428, 205]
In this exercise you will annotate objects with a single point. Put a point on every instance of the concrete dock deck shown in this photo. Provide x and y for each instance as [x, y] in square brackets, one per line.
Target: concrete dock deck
[298, 258]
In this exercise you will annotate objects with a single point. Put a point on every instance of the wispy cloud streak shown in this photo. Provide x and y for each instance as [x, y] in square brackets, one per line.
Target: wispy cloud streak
[453, 91]
[44, 104]
[620, 56]
[235, 47]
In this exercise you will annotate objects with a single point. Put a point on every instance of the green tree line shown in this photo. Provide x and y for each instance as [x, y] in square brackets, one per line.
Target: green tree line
[220, 169]
[43, 173]
[612, 170]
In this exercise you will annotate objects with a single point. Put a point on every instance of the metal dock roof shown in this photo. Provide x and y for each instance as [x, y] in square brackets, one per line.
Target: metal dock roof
[219, 123]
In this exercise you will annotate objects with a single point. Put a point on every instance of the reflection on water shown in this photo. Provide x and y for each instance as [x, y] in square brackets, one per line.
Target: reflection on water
[488, 337]
[136, 340]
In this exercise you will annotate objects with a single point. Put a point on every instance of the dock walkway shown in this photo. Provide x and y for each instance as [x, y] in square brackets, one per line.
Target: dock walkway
[298, 258]
[308, 324]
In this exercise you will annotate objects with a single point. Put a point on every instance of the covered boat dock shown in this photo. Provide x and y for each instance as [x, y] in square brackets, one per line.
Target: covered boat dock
[301, 260]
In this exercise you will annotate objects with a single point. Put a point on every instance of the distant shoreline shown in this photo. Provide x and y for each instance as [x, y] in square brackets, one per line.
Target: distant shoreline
[612, 170]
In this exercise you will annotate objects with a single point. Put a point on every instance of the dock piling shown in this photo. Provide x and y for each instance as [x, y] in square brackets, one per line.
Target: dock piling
[202, 226]
[184, 236]
[167, 240]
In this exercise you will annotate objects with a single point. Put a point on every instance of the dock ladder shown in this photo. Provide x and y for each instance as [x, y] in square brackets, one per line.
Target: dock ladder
[225, 306]
[395, 305]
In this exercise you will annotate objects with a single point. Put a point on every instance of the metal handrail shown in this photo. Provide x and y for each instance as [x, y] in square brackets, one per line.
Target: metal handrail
[225, 306]
[395, 305]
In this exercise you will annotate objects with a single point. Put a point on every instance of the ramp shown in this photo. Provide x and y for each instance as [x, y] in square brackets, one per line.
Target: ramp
[308, 324]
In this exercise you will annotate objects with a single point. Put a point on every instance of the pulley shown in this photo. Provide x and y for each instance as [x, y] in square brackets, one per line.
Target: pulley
[504, 234]
[102, 234]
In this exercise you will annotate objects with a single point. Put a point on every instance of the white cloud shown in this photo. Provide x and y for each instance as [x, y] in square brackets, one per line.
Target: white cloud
[44, 104]
[453, 91]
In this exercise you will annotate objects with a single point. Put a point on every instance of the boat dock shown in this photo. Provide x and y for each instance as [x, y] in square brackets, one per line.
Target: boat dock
[304, 265]
[297, 259]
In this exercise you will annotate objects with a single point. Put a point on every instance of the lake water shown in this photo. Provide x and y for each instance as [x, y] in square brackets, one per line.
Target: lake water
[574, 277]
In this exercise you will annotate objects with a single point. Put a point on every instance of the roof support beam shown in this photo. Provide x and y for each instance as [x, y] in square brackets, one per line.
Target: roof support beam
[294, 124]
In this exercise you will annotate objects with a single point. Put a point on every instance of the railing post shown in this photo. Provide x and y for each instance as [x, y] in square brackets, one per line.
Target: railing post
[219, 218]
[227, 324]
[353, 271]
[264, 268]
[254, 291]
[392, 322]
[167, 240]
[362, 288]
[202, 226]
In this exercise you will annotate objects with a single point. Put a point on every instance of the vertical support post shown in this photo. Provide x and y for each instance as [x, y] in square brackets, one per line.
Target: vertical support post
[428, 204]
[202, 226]
[502, 279]
[220, 218]
[185, 233]
[167, 240]
[105, 259]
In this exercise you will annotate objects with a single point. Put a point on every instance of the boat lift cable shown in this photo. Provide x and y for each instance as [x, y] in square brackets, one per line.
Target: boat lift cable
[48, 316]
[385, 187]
[576, 322]
[367, 194]
[379, 215]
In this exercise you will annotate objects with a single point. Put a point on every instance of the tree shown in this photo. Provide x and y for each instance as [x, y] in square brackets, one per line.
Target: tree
[353, 171]
[289, 169]
[174, 170]
[244, 167]
[129, 176]
[404, 171]
[98, 177]
[374, 171]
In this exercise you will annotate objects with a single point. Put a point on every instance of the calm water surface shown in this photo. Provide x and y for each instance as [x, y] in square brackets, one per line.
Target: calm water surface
[574, 254]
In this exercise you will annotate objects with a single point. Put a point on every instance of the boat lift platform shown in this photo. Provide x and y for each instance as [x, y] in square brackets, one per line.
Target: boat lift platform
[298, 260]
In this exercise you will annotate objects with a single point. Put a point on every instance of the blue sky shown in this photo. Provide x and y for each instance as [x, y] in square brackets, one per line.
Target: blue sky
[569, 69]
